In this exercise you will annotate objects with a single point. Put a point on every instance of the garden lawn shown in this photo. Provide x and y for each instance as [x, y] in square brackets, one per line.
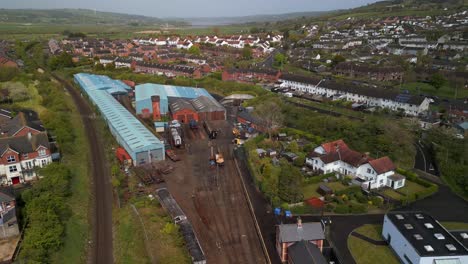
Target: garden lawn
[410, 188]
[366, 253]
[310, 190]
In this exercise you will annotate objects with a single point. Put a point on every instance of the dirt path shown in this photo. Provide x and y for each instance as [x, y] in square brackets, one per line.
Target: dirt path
[101, 247]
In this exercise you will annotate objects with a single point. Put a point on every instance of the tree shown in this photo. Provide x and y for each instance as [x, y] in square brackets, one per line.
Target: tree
[98, 67]
[279, 59]
[62, 60]
[437, 80]
[290, 183]
[110, 66]
[254, 30]
[270, 114]
[286, 34]
[337, 59]
[195, 50]
[8, 73]
[247, 53]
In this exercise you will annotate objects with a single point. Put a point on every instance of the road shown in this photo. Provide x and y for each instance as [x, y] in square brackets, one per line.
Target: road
[101, 244]
[424, 160]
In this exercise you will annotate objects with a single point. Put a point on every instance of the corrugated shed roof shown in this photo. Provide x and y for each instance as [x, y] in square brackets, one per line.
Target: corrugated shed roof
[294, 233]
[135, 135]
[145, 91]
[207, 104]
[130, 132]
[91, 82]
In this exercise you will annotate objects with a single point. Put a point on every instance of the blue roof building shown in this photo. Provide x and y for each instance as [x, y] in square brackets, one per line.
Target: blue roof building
[143, 146]
[144, 92]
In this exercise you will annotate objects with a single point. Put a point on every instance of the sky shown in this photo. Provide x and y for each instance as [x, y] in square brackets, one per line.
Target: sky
[191, 8]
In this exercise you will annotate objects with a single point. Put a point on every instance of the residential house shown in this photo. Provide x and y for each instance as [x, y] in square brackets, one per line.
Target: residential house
[169, 70]
[250, 75]
[21, 156]
[337, 157]
[290, 239]
[412, 105]
[389, 73]
[8, 220]
[6, 62]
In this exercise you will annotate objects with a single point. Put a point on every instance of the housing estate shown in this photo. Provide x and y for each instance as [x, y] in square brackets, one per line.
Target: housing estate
[412, 105]
[418, 238]
[337, 157]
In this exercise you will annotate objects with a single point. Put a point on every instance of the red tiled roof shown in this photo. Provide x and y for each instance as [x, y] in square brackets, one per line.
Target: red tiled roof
[347, 155]
[332, 146]
[382, 165]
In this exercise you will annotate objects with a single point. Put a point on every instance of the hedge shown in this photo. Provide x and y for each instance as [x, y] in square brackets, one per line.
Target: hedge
[431, 188]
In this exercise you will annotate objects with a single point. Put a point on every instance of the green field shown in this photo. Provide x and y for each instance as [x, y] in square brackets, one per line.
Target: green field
[447, 91]
[455, 225]
[366, 253]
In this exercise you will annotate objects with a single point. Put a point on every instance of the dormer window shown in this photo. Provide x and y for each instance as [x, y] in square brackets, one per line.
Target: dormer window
[11, 159]
[42, 152]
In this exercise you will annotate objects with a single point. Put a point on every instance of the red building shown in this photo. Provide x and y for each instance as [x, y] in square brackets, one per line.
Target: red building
[288, 235]
[182, 110]
[250, 75]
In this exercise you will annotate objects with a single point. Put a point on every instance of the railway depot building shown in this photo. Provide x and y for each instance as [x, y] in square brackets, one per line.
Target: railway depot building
[417, 238]
[142, 146]
[412, 105]
[179, 103]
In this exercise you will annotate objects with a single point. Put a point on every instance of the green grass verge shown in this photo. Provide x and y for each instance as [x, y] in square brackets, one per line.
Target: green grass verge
[366, 253]
[455, 225]
[76, 228]
[310, 190]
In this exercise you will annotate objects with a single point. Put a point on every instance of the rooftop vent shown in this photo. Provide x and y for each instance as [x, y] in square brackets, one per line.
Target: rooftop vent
[408, 226]
[464, 235]
[399, 217]
[428, 225]
[450, 247]
[418, 237]
[439, 236]
[429, 248]
[419, 216]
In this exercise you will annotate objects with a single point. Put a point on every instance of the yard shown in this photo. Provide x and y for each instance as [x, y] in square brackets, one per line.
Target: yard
[364, 252]
[410, 188]
[310, 190]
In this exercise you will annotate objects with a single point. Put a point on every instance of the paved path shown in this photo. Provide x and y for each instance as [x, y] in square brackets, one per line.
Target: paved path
[368, 239]
[101, 247]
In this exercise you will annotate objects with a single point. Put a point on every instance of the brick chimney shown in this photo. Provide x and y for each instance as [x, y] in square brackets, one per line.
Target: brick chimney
[299, 222]
[155, 101]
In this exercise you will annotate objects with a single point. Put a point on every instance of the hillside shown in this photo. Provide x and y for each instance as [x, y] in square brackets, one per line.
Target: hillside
[75, 16]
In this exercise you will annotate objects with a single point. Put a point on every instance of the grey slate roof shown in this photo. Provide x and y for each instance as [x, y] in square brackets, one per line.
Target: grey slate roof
[26, 118]
[206, 104]
[308, 231]
[23, 144]
[177, 104]
[304, 252]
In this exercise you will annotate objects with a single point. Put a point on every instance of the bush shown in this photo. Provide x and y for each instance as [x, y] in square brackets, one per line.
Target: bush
[349, 191]
[342, 209]
[376, 200]
[357, 208]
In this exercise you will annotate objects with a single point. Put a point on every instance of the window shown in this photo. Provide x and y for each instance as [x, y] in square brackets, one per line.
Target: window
[407, 259]
[42, 152]
[368, 170]
[29, 165]
[381, 181]
[25, 155]
[11, 159]
[13, 168]
[43, 162]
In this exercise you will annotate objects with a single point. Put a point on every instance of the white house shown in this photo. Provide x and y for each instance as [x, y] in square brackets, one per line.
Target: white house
[412, 105]
[372, 173]
[418, 238]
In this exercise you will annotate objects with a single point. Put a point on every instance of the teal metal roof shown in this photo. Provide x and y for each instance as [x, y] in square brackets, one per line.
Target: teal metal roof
[126, 128]
[145, 91]
[101, 82]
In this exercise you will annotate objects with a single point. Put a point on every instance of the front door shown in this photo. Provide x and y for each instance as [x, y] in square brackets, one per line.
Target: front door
[15, 180]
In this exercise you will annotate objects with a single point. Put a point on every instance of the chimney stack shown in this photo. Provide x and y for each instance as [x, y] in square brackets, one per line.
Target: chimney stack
[299, 222]
[29, 136]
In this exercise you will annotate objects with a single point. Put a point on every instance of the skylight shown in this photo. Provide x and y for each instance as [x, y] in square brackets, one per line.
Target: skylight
[450, 247]
[408, 226]
[399, 217]
[418, 237]
[439, 236]
[429, 248]
[428, 225]
[419, 216]
[464, 235]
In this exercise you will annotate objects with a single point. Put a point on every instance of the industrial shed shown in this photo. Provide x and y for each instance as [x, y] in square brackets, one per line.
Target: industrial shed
[182, 110]
[144, 93]
[209, 109]
[142, 146]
